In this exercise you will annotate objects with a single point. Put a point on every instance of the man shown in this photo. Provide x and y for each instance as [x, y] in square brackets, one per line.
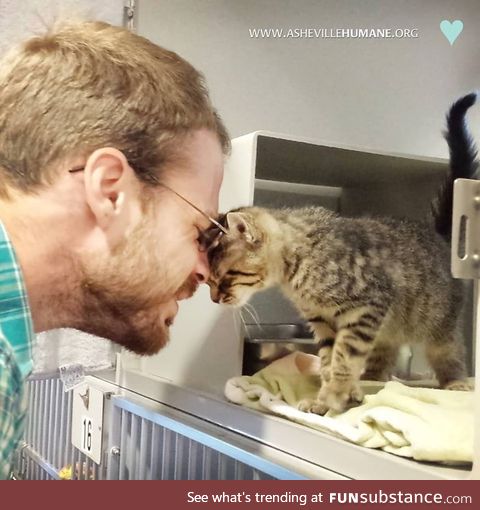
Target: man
[111, 161]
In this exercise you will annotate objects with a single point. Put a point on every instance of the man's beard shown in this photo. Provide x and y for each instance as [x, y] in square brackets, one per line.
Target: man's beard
[123, 295]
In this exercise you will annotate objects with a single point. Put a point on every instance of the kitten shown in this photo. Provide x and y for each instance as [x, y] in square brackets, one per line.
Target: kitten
[365, 285]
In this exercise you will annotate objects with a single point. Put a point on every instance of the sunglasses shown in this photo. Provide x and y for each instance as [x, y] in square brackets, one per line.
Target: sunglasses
[208, 238]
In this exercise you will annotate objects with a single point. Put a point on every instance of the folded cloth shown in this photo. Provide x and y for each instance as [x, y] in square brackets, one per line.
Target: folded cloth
[59, 347]
[422, 423]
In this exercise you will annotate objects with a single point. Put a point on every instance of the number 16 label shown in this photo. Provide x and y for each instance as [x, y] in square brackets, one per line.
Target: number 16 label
[87, 421]
[86, 434]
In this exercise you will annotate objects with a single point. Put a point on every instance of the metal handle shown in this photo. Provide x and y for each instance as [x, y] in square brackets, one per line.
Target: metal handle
[466, 229]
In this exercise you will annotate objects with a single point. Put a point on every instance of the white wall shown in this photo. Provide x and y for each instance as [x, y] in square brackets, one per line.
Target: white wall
[385, 94]
[23, 18]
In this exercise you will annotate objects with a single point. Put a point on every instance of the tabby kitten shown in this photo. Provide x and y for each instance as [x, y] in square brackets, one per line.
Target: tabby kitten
[365, 285]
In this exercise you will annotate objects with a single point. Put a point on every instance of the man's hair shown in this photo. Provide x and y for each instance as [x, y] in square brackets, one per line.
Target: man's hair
[83, 86]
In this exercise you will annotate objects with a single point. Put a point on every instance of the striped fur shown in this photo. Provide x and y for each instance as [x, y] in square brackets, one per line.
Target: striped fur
[366, 286]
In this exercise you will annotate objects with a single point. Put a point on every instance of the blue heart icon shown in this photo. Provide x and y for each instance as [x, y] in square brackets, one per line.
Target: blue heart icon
[451, 30]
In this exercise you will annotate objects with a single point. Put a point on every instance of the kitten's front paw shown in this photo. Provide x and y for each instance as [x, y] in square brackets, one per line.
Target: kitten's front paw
[336, 398]
[306, 405]
[331, 396]
[356, 395]
[309, 405]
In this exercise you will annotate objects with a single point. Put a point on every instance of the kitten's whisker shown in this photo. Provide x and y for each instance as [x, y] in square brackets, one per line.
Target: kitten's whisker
[252, 309]
[238, 316]
[245, 327]
[252, 313]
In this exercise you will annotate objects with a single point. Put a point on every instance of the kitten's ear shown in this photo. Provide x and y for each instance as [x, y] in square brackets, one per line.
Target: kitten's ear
[239, 227]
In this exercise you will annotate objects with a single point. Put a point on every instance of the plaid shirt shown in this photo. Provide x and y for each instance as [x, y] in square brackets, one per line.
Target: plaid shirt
[16, 336]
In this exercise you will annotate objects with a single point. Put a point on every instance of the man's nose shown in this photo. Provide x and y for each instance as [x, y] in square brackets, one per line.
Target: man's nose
[202, 268]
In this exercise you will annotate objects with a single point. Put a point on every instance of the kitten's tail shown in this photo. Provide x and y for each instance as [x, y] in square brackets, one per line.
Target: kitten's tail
[463, 163]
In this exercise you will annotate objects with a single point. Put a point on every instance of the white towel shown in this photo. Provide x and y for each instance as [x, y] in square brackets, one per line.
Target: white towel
[422, 423]
[59, 347]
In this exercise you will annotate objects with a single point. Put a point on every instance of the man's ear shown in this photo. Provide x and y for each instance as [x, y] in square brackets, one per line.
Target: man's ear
[239, 226]
[112, 191]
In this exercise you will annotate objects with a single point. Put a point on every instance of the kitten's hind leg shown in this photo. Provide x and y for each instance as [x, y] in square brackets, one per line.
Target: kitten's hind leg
[447, 357]
[381, 362]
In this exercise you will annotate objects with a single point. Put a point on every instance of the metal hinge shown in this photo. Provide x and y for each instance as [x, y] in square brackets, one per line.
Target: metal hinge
[465, 229]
